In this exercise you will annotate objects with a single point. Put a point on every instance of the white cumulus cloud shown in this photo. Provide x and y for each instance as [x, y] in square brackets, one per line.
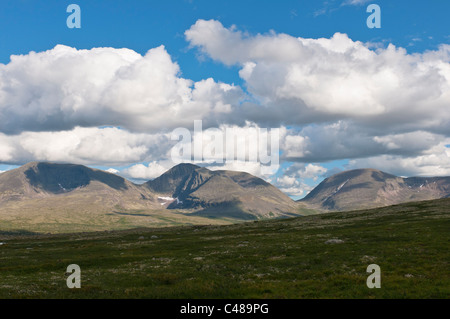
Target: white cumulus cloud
[301, 80]
[113, 171]
[62, 88]
[147, 172]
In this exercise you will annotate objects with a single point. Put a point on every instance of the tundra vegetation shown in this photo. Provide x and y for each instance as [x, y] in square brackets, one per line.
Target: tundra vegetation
[318, 256]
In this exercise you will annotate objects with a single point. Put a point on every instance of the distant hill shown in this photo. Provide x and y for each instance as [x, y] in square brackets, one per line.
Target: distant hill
[46, 180]
[221, 193]
[368, 188]
[46, 197]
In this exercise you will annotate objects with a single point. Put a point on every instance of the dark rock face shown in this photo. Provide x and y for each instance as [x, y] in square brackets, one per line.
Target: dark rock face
[60, 178]
[55, 179]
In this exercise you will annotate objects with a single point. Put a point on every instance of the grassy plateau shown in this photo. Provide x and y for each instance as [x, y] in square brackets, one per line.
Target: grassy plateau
[320, 256]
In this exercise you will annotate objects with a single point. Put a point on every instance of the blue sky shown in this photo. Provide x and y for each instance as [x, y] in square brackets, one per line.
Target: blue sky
[33, 25]
[387, 140]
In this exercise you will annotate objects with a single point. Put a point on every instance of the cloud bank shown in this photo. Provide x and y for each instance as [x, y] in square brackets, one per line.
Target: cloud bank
[333, 98]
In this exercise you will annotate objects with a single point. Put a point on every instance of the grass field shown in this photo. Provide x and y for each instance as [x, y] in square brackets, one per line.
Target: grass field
[265, 259]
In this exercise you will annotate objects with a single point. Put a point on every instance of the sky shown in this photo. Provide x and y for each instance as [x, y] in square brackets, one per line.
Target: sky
[343, 96]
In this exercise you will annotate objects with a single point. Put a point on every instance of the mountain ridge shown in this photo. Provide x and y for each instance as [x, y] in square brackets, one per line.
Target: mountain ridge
[194, 187]
[369, 188]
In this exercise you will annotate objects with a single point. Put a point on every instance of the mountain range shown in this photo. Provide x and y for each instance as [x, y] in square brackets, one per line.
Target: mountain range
[48, 197]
